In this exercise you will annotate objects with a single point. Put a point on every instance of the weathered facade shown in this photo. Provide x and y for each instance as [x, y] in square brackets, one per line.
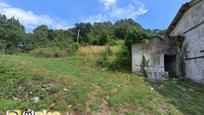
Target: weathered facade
[181, 54]
[157, 51]
[188, 29]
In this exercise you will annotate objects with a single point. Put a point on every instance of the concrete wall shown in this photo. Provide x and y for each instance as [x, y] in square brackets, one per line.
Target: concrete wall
[194, 41]
[191, 18]
[193, 44]
[150, 51]
[153, 50]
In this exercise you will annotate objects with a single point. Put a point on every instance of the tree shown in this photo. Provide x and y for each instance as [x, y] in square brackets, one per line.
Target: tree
[102, 26]
[12, 33]
[104, 38]
[40, 36]
[125, 54]
[85, 29]
[3, 19]
[159, 32]
[122, 26]
[134, 36]
[60, 39]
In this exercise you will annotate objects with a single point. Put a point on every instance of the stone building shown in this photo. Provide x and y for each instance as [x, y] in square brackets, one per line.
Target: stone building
[161, 56]
[187, 29]
[181, 54]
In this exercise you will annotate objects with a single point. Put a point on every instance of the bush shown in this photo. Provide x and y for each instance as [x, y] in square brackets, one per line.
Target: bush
[122, 59]
[118, 59]
[111, 42]
[144, 65]
[104, 60]
[49, 52]
[75, 46]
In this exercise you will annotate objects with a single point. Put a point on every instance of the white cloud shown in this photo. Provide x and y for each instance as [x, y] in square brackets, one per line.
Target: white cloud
[113, 12]
[108, 3]
[29, 19]
[97, 18]
[131, 11]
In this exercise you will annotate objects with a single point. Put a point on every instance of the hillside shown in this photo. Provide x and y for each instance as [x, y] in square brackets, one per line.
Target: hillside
[74, 84]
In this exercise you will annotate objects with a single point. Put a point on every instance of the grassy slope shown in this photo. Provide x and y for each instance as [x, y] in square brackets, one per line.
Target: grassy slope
[74, 84]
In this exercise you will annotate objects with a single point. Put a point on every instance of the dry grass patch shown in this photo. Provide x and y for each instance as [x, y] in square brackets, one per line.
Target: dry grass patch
[94, 50]
[91, 50]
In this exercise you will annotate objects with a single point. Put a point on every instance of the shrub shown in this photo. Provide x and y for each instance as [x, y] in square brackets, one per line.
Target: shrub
[49, 52]
[122, 59]
[104, 57]
[111, 42]
[115, 58]
[144, 65]
[75, 46]
[94, 41]
[62, 53]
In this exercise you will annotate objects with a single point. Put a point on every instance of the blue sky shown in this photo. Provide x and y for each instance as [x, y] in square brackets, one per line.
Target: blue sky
[59, 14]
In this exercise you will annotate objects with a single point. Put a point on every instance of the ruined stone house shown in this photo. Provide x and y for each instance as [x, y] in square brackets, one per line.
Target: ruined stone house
[161, 55]
[181, 54]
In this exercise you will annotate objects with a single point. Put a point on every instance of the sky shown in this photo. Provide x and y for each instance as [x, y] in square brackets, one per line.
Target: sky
[62, 14]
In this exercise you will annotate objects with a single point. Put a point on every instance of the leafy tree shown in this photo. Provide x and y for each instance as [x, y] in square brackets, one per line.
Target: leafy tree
[71, 34]
[134, 36]
[125, 54]
[101, 34]
[3, 19]
[85, 29]
[159, 32]
[12, 33]
[102, 26]
[40, 36]
[60, 39]
[13, 36]
[122, 26]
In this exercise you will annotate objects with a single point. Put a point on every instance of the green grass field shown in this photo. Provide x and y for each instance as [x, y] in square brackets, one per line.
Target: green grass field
[75, 85]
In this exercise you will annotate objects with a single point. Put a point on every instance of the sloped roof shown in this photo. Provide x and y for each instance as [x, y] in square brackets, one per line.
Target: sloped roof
[184, 8]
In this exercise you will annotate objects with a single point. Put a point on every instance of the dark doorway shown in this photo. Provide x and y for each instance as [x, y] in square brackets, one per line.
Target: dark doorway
[170, 65]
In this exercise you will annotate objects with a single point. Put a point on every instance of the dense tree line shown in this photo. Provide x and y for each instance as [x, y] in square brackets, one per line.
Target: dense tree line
[13, 36]
[11, 33]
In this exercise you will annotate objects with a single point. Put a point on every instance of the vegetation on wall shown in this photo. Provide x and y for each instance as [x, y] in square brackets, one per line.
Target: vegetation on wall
[144, 65]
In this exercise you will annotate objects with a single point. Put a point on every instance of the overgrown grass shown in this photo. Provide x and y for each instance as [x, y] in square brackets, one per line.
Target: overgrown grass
[74, 84]
[50, 52]
[95, 50]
